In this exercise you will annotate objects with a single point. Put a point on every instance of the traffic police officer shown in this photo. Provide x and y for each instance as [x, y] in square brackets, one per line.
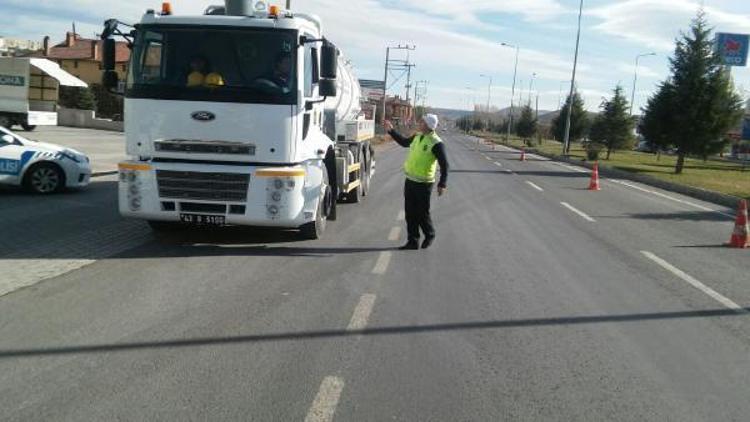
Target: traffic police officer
[426, 151]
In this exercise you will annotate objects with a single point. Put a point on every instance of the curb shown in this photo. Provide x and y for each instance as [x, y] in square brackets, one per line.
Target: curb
[729, 201]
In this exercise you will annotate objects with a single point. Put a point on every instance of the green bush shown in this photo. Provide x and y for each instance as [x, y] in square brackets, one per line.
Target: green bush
[77, 97]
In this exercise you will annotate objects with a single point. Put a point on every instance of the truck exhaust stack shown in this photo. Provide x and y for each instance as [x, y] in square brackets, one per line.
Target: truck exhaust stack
[237, 8]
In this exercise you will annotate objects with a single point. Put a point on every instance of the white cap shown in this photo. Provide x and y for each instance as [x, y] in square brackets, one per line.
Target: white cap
[430, 120]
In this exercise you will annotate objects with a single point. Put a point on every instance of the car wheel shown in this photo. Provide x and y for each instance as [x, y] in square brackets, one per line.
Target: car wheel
[44, 178]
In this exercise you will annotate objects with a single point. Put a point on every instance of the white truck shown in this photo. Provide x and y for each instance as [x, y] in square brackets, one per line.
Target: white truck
[240, 116]
[29, 90]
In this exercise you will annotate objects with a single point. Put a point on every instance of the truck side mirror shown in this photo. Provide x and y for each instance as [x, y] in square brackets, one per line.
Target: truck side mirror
[110, 79]
[327, 87]
[329, 61]
[108, 54]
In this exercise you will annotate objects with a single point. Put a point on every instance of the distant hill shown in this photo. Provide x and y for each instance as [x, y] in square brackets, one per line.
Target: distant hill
[449, 113]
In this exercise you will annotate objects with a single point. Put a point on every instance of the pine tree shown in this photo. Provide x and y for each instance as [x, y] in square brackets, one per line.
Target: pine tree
[698, 96]
[613, 127]
[578, 120]
[526, 126]
[658, 118]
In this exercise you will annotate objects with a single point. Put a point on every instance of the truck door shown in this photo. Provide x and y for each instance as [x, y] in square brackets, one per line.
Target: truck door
[310, 116]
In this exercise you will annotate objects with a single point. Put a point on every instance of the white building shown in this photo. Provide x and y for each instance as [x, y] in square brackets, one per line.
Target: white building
[13, 46]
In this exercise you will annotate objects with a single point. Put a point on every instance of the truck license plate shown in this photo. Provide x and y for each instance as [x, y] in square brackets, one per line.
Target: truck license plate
[209, 220]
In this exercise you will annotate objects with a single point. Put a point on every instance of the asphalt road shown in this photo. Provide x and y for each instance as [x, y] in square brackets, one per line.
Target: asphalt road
[616, 305]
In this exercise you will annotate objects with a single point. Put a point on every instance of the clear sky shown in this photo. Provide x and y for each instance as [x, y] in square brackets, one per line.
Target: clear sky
[456, 41]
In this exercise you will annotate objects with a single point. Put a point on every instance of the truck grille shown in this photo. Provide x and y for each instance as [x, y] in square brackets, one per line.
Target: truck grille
[202, 185]
[203, 147]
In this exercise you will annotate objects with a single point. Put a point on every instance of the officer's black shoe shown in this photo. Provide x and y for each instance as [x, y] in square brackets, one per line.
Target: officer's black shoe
[410, 245]
[427, 242]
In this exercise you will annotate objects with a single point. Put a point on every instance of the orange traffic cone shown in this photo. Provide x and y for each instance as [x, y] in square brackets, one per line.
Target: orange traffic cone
[523, 154]
[594, 183]
[740, 237]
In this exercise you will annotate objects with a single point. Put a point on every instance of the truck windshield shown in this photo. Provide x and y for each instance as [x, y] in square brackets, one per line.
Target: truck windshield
[213, 64]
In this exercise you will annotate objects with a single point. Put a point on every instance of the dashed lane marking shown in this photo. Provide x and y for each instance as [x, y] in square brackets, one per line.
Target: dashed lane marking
[381, 265]
[401, 215]
[498, 164]
[324, 405]
[362, 312]
[535, 186]
[695, 283]
[577, 211]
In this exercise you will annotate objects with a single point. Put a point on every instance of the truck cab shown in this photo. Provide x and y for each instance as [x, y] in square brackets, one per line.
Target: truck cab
[225, 116]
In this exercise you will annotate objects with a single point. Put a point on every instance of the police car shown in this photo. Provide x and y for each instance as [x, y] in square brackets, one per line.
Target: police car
[40, 167]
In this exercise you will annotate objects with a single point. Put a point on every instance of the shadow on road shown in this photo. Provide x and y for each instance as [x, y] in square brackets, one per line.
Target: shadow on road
[387, 330]
[678, 216]
[477, 171]
[549, 173]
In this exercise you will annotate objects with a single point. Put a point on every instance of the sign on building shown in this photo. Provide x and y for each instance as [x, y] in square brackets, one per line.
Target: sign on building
[732, 48]
[12, 80]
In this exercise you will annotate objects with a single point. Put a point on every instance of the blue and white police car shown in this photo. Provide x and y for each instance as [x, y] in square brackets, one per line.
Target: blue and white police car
[40, 167]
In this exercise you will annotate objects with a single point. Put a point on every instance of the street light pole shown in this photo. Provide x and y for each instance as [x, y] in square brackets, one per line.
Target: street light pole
[531, 84]
[566, 137]
[489, 96]
[512, 90]
[635, 79]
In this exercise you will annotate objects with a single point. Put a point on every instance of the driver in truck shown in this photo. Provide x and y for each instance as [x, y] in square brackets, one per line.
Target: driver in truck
[282, 68]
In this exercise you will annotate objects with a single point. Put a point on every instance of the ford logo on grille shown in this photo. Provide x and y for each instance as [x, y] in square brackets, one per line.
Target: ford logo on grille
[203, 116]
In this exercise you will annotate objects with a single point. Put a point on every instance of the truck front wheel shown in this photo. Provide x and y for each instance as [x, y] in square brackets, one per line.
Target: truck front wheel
[314, 229]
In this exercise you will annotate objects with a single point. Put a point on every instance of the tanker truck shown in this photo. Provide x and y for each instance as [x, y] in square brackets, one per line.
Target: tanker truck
[245, 115]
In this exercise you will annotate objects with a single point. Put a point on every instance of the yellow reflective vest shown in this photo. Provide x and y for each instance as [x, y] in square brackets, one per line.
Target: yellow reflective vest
[421, 163]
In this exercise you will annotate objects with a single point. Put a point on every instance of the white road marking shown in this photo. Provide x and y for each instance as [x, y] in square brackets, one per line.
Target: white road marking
[324, 405]
[672, 198]
[488, 158]
[395, 233]
[577, 211]
[572, 168]
[362, 312]
[401, 215]
[382, 263]
[509, 171]
[695, 283]
[533, 185]
[498, 164]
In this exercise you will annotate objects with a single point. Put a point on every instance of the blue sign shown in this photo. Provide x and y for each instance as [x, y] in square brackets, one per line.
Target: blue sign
[746, 129]
[732, 48]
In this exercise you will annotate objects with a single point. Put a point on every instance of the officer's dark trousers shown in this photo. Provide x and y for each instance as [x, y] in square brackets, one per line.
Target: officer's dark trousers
[417, 209]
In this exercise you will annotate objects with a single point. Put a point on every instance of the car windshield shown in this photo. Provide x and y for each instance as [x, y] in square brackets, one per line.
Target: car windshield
[235, 65]
[19, 139]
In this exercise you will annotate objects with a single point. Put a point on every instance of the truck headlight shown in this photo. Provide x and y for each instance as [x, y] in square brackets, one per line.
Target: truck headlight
[276, 196]
[135, 203]
[278, 183]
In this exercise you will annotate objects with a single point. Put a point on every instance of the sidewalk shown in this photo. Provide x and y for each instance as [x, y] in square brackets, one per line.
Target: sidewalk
[104, 148]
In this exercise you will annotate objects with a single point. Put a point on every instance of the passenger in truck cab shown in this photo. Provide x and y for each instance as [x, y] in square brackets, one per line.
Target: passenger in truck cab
[201, 76]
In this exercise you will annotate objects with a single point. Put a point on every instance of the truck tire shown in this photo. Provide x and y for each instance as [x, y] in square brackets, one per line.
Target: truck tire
[44, 178]
[5, 121]
[314, 229]
[330, 166]
[27, 127]
[366, 161]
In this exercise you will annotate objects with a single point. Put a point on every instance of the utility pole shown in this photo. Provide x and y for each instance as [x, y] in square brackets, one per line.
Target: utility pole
[566, 137]
[400, 64]
[408, 79]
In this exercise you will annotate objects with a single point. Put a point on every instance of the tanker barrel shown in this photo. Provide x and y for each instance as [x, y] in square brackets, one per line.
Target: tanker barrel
[346, 104]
